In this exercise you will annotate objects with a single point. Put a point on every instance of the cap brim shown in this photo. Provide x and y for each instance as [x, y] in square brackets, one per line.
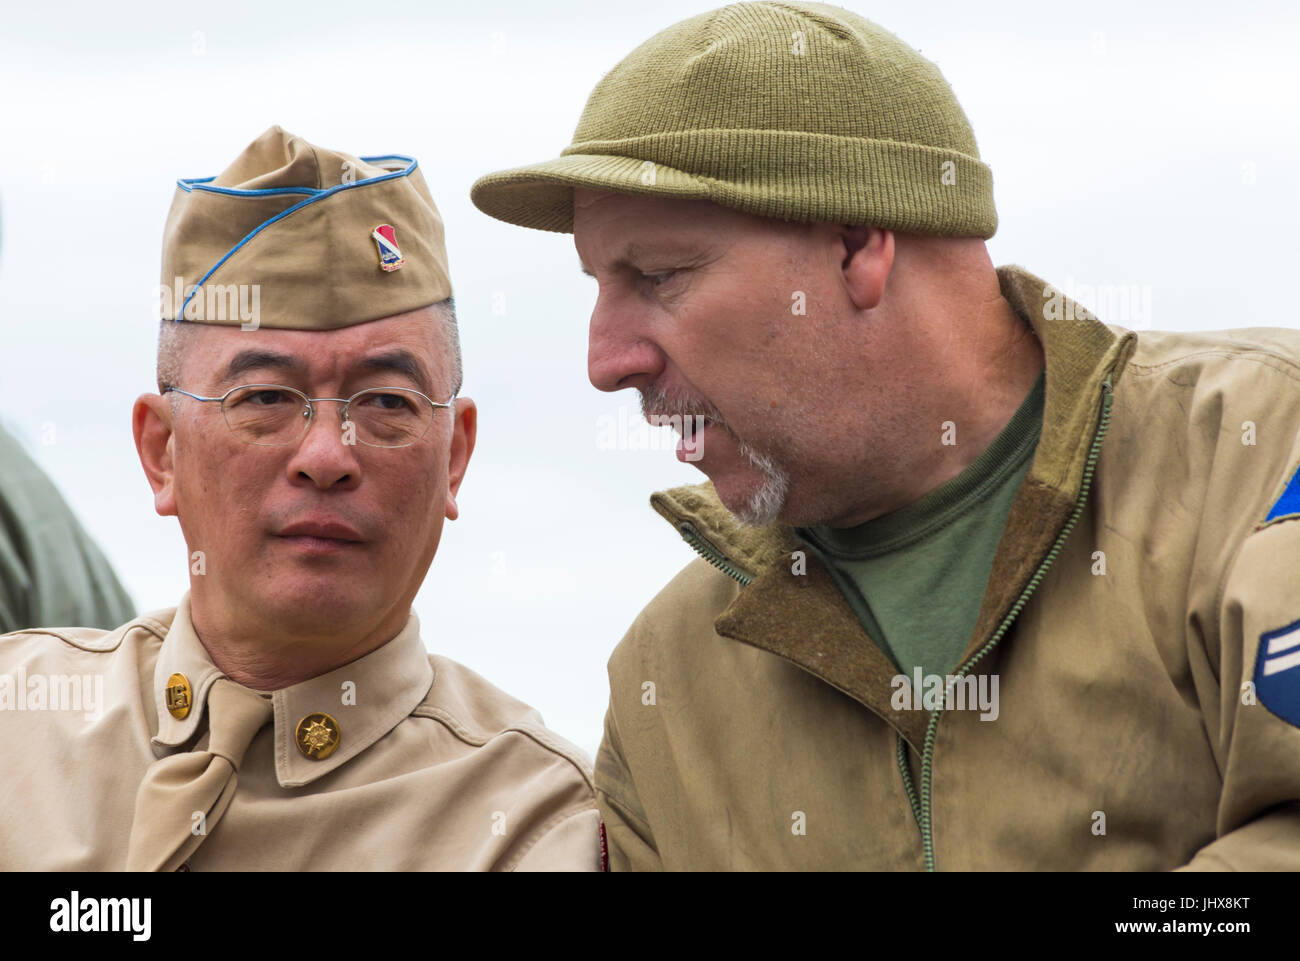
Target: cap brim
[541, 195]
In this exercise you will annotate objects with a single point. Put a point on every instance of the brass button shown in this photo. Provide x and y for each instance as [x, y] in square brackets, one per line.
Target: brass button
[179, 696]
[318, 736]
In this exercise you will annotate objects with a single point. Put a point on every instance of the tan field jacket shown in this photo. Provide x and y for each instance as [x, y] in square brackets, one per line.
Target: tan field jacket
[1140, 620]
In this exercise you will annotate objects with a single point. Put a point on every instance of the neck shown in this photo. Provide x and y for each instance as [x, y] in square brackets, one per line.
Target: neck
[984, 361]
[276, 655]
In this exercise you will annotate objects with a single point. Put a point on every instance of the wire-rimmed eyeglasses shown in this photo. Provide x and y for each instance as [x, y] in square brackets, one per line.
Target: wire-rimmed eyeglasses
[270, 415]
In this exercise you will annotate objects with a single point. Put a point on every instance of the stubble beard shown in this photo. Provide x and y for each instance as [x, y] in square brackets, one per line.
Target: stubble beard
[767, 500]
[765, 504]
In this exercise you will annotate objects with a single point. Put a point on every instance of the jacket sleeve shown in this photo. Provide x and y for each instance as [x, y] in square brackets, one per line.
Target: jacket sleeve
[631, 845]
[1253, 718]
[573, 844]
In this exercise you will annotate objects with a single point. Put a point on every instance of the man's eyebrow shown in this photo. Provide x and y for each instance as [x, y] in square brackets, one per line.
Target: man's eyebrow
[247, 360]
[639, 251]
[402, 362]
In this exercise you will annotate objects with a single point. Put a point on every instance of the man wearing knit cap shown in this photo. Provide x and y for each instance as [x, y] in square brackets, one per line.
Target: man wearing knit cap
[984, 582]
[308, 436]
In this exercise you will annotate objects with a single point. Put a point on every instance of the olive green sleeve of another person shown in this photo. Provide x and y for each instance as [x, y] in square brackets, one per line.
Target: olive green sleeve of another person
[51, 572]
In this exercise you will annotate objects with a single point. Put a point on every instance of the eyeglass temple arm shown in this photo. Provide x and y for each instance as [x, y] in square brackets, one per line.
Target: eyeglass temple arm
[188, 394]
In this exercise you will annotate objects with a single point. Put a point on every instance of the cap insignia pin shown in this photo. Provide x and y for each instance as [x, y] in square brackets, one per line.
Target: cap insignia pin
[390, 255]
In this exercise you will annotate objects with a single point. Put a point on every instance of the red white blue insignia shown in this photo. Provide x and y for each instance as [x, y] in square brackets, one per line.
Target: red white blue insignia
[1277, 672]
[390, 255]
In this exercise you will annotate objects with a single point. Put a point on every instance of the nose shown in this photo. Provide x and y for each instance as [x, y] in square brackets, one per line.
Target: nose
[326, 455]
[621, 352]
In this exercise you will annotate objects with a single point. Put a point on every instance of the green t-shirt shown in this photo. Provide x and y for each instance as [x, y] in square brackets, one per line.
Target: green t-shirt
[916, 577]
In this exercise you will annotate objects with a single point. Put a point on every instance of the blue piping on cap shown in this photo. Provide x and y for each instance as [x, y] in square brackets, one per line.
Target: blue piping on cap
[313, 195]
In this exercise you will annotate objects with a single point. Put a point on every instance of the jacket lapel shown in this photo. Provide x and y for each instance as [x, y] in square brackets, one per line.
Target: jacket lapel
[801, 617]
[1080, 353]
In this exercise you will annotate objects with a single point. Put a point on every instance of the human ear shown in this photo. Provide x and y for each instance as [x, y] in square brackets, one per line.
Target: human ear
[151, 423]
[868, 256]
[464, 431]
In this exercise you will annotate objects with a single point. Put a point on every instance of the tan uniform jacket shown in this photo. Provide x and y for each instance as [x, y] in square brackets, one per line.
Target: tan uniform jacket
[435, 768]
[1142, 619]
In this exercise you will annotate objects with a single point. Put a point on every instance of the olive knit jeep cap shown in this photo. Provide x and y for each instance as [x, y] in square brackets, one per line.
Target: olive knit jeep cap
[797, 111]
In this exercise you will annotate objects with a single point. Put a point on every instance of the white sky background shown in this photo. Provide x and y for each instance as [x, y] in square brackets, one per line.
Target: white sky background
[1128, 148]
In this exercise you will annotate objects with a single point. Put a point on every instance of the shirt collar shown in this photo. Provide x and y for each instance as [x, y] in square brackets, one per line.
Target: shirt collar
[367, 698]
[182, 653]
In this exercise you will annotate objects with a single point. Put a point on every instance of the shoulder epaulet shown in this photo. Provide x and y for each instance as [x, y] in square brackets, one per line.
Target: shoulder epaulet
[497, 713]
[98, 641]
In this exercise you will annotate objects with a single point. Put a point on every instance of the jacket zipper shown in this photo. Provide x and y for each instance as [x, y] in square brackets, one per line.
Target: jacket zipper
[921, 806]
[705, 549]
[922, 810]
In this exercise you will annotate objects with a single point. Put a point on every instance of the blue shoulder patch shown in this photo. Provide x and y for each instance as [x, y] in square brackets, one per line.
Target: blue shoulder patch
[1288, 505]
[1277, 672]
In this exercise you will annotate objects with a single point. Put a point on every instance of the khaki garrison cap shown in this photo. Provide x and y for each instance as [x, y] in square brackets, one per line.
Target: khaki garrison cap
[794, 111]
[318, 239]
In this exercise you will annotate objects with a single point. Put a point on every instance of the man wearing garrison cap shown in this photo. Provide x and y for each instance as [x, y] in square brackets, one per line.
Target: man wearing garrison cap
[309, 438]
[984, 582]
